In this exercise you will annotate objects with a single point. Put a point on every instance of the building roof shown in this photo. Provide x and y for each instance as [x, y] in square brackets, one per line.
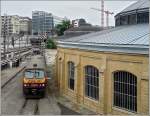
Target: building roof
[78, 31]
[74, 34]
[25, 18]
[139, 5]
[85, 28]
[128, 39]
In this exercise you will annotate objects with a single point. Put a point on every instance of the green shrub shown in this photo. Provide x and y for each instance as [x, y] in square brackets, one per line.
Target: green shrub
[50, 44]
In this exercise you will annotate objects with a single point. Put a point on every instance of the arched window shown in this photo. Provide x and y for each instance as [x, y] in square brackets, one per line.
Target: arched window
[92, 82]
[71, 72]
[125, 90]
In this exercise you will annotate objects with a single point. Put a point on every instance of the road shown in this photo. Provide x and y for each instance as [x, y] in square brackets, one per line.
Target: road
[14, 103]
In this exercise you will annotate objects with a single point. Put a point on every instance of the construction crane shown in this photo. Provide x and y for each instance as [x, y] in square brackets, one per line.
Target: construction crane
[107, 16]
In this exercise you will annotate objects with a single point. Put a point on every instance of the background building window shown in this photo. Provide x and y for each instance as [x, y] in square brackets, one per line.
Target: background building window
[124, 20]
[71, 72]
[125, 90]
[132, 19]
[143, 17]
[92, 82]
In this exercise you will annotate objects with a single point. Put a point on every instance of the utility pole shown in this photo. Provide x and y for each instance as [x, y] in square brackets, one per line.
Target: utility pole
[19, 50]
[27, 41]
[4, 35]
[20, 35]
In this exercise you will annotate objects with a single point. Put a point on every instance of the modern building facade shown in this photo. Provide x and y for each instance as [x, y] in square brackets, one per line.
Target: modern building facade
[42, 23]
[58, 20]
[107, 71]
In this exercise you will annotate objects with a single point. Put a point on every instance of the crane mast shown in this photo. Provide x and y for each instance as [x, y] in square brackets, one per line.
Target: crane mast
[107, 16]
[102, 13]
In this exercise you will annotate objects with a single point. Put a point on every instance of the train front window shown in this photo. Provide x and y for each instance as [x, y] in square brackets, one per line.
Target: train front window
[39, 74]
[29, 74]
[34, 74]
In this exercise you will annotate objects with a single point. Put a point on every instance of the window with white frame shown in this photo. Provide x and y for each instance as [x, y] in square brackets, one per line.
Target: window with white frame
[92, 82]
[125, 91]
[71, 74]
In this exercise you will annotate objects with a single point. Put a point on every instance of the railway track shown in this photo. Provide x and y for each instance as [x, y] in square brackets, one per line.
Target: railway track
[29, 107]
[14, 103]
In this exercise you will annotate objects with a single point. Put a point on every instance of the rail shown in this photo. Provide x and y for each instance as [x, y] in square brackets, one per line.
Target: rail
[26, 104]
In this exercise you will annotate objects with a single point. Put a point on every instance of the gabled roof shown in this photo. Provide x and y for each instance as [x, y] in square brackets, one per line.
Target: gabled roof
[128, 39]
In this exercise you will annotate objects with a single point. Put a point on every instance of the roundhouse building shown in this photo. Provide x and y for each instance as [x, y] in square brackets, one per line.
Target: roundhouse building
[107, 71]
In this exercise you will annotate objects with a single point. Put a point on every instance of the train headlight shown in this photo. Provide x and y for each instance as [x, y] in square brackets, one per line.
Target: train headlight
[25, 85]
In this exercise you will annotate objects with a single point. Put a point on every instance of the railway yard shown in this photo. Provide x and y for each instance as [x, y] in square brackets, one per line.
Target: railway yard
[14, 103]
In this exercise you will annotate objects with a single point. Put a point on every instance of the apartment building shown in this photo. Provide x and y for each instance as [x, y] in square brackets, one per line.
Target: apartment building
[10, 24]
[14, 24]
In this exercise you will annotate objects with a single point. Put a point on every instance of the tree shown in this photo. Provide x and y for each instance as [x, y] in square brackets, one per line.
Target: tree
[60, 28]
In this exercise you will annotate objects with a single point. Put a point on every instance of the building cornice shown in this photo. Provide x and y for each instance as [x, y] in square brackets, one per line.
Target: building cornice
[116, 48]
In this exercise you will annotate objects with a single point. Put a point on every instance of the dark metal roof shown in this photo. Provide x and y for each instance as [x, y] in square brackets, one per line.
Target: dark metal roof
[137, 6]
[140, 4]
[67, 36]
[123, 38]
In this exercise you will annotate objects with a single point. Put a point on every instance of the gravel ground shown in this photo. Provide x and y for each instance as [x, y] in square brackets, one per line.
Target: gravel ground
[67, 111]
[6, 74]
[50, 59]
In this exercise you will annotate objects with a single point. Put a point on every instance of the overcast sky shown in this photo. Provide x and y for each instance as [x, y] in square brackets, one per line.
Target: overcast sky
[70, 9]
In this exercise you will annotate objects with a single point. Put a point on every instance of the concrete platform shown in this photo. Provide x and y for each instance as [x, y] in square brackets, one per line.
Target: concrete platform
[8, 74]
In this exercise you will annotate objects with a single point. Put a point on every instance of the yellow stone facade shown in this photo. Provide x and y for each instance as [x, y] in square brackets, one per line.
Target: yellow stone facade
[106, 63]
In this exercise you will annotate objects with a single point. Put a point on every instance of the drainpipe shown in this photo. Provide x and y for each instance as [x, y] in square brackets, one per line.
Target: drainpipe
[149, 61]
